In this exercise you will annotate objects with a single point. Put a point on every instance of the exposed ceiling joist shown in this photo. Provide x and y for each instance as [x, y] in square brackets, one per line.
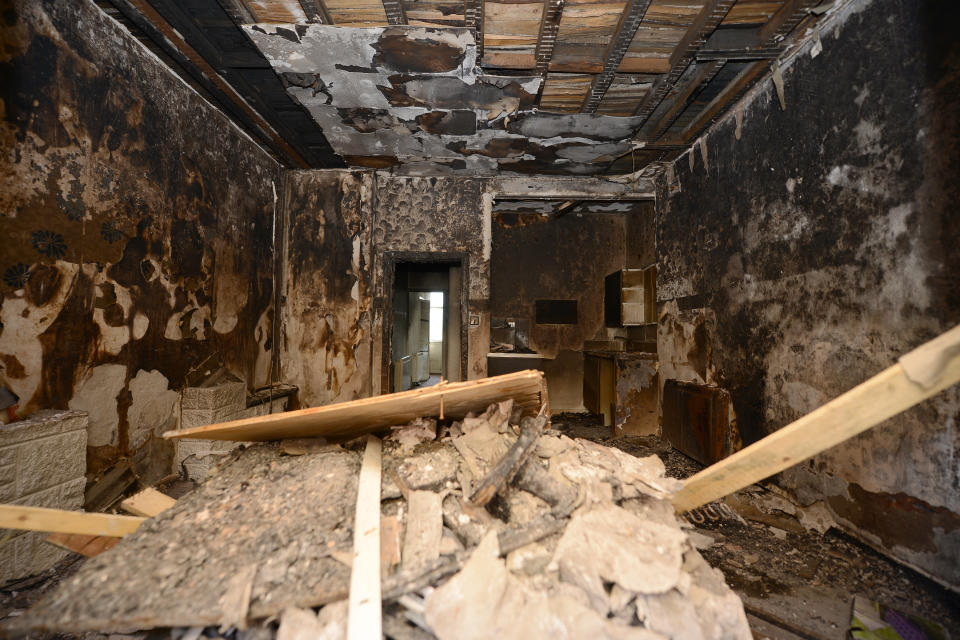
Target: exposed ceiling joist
[547, 37]
[473, 18]
[142, 14]
[717, 106]
[785, 20]
[315, 10]
[712, 14]
[627, 27]
[394, 11]
[695, 77]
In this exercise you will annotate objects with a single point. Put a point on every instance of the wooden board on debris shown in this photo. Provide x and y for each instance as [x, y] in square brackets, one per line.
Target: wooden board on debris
[527, 389]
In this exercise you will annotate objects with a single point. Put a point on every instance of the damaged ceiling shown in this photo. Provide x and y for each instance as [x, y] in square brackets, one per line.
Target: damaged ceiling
[479, 87]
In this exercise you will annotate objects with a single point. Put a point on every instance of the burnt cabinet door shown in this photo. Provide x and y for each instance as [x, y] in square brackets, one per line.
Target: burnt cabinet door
[696, 421]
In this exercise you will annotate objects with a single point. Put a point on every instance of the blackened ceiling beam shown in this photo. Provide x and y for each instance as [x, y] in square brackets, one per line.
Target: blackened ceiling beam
[695, 77]
[394, 11]
[316, 11]
[770, 38]
[231, 58]
[473, 18]
[547, 38]
[626, 28]
[709, 18]
[142, 14]
[718, 105]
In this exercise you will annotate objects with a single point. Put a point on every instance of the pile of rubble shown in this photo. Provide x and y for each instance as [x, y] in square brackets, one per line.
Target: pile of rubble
[493, 526]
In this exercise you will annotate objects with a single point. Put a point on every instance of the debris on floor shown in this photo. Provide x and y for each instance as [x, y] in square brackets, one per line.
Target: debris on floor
[493, 527]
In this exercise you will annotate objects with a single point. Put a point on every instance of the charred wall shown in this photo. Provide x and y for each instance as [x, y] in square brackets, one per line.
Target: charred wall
[803, 250]
[137, 230]
[328, 285]
[443, 217]
[545, 258]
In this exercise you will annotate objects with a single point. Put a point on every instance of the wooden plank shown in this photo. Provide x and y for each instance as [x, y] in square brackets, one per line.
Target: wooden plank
[147, 503]
[351, 419]
[717, 106]
[316, 11]
[424, 528]
[364, 616]
[61, 521]
[394, 11]
[891, 391]
[86, 545]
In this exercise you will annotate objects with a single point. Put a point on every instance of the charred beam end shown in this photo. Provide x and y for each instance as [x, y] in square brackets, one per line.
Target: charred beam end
[630, 20]
[707, 21]
[316, 11]
[473, 18]
[149, 20]
[394, 11]
[547, 38]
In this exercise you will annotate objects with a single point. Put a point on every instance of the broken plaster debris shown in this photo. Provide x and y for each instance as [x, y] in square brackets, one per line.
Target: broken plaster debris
[260, 540]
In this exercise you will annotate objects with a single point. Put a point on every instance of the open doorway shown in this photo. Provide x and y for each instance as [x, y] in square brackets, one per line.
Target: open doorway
[425, 334]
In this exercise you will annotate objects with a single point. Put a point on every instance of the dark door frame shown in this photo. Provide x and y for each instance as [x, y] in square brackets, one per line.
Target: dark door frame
[445, 258]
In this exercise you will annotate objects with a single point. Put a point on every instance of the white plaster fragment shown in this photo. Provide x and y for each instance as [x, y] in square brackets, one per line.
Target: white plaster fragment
[151, 408]
[97, 394]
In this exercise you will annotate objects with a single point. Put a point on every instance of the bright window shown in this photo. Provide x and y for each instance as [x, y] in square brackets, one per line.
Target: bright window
[436, 316]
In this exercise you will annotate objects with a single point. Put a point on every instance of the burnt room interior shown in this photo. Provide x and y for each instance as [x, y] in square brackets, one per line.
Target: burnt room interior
[480, 318]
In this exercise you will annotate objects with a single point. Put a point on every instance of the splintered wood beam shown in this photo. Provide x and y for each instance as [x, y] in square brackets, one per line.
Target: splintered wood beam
[346, 420]
[626, 28]
[920, 374]
[547, 38]
[316, 11]
[695, 76]
[394, 11]
[709, 18]
[473, 19]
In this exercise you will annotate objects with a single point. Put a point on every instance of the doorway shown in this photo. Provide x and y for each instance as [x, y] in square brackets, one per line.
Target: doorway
[426, 327]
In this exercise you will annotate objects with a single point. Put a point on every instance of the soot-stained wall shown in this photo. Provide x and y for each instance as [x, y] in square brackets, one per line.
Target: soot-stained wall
[537, 258]
[327, 285]
[137, 230]
[802, 251]
[415, 217]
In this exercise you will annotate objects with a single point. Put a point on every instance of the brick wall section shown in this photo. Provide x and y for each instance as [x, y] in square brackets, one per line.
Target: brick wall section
[202, 406]
[42, 464]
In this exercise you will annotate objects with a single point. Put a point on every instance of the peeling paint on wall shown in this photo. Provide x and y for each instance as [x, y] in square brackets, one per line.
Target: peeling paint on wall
[135, 220]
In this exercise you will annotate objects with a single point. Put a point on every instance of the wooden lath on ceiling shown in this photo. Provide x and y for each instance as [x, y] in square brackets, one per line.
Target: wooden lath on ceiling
[646, 58]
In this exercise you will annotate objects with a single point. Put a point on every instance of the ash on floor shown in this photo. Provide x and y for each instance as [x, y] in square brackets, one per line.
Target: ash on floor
[795, 582]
